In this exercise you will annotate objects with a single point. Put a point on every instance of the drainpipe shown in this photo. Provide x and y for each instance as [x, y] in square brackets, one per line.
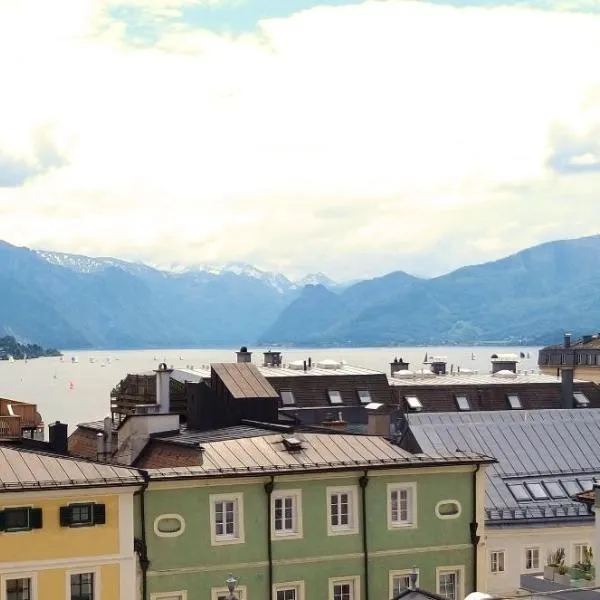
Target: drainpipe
[269, 491]
[473, 526]
[363, 482]
[139, 544]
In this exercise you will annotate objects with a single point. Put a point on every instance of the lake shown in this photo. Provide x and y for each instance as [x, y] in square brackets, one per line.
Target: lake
[75, 392]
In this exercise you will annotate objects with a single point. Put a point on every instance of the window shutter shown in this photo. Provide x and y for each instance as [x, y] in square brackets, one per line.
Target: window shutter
[2, 521]
[65, 516]
[35, 518]
[99, 514]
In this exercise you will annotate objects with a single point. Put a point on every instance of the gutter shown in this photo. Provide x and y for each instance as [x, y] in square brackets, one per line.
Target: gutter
[363, 482]
[139, 544]
[269, 492]
[474, 526]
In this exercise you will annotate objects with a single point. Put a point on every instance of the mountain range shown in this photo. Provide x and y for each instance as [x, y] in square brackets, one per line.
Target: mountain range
[72, 301]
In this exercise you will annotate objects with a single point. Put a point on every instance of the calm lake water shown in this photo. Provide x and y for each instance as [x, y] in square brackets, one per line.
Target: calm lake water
[75, 392]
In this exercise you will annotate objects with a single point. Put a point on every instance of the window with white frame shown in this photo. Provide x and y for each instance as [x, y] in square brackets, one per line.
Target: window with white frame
[341, 510]
[169, 596]
[289, 591]
[497, 561]
[449, 583]
[343, 589]
[223, 593]
[579, 552]
[400, 581]
[532, 559]
[402, 505]
[227, 518]
[19, 589]
[287, 513]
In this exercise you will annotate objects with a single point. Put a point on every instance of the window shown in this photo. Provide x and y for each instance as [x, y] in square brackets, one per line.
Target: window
[462, 402]
[514, 401]
[571, 487]
[286, 514]
[581, 399]
[579, 552]
[82, 515]
[334, 397]
[413, 403]
[293, 590]
[449, 582]
[554, 489]
[227, 519]
[532, 559]
[586, 484]
[400, 581]
[288, 594]
[82, 586]
[364, 396]
[341, 509]
[19, 589]
[401, 505]
[519, 492]
[497, 561]
[223, 593]
[344, 588]
[287, 397]
[20, 519]
[448, 509]
[169, 525]
[169, 596]
[537, 491]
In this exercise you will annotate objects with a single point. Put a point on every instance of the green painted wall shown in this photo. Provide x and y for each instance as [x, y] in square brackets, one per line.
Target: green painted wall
[208, 566]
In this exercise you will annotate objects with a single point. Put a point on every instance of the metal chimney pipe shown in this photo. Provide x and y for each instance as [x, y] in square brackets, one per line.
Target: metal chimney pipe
[567, 340]
[566, 387]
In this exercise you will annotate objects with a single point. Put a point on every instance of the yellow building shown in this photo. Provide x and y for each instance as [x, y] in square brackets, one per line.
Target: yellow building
[66, 528]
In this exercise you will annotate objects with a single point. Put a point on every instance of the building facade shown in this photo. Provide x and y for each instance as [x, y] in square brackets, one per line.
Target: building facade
[582, 357]
[66, 528]
[313, 516]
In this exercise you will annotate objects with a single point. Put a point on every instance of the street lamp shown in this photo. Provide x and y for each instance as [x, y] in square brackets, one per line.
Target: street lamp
[412, 578]
[232, 582]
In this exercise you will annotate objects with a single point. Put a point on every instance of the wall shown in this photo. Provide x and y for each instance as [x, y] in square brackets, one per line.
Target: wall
[514, 541]
[190, 562]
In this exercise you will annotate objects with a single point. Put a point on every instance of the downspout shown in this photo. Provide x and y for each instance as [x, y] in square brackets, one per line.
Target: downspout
[139, 544]
[363, 482]
[269, 491]
[474, 526]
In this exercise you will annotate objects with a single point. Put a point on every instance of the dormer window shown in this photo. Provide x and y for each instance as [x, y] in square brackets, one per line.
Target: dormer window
[581, 400]
[287, 398]
[364, 396]
[462, 402]
[334, 397]
[413, 403]
[514, 401]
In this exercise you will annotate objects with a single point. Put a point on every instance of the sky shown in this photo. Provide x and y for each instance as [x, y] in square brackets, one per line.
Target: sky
[347, 137]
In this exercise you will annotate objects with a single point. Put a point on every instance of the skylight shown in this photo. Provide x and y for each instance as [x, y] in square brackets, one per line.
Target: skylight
[571, 487]
[287, 397]
[514, 401]
[537, 491]
[554, 489]
[586, 484]
[292, 443]
[519, 492]
[364, 396]
[334, 397]
[413, 403]
[463, 403]
[581, 399]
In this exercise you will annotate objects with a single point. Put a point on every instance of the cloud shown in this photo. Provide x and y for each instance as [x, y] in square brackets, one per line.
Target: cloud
[350, 139]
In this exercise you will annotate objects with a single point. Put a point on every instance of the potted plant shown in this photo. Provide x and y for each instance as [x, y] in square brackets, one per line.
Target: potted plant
[554, 561]
[562, 576]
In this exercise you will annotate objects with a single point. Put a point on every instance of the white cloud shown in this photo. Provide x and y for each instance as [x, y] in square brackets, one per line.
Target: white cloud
[350, 140]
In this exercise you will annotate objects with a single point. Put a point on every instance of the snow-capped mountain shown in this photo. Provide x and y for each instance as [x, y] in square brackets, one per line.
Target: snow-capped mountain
[88, 264]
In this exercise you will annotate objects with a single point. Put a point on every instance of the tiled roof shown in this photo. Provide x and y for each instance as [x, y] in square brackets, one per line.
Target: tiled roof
[544, 447]
[243, 380]
[314, 452]
[28, 470]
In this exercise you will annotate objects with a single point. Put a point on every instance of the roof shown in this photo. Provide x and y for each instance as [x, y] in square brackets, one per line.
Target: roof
[314, 452]
[196, 437]
[580, 344]
[545, 447]
[475, 378]
[243, 380]
[28, 470]
[183, 375]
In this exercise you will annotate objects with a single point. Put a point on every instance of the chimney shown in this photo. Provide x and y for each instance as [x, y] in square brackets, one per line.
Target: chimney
[163, 388]
[567, 340]
[57, 437]
[378, 419]
[272, 359]
[108, 429]
[100, 454]
[438, 366]
[398, 365]
[309, 362]
[304, 365]
[566, 387]
[504, 362]
[243, 356]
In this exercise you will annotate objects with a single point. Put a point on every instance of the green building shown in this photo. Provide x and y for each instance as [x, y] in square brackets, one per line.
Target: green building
[310, 516]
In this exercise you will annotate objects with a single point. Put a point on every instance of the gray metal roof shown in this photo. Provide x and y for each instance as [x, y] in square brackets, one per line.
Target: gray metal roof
[475, 378]
[29, 470]
[532, 447]
[319, 451]
[195, 437]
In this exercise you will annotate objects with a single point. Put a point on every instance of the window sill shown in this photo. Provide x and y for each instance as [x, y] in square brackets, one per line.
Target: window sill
[352, 531]
[292, 535]
[401, 526]
[226, 541]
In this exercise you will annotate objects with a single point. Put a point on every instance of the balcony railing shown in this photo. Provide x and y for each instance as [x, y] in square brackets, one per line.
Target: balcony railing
[26, 412]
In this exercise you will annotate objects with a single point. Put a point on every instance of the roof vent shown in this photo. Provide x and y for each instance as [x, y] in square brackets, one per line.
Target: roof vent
[504, 374]
[296, 365]
[328, 363]
[292, 444]
[404, 374]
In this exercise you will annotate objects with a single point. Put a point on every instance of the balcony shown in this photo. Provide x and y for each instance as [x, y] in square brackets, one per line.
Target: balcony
[10, 427]
[26, 413]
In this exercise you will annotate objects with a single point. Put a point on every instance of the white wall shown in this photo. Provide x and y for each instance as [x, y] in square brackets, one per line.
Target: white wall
[514, 541]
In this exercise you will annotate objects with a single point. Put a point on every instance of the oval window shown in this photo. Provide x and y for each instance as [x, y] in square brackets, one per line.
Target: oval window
[447, 509]
[169, 525]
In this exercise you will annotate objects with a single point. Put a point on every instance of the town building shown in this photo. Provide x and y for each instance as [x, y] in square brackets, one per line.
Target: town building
[581, 358]
[545, 458]
[66, 527]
